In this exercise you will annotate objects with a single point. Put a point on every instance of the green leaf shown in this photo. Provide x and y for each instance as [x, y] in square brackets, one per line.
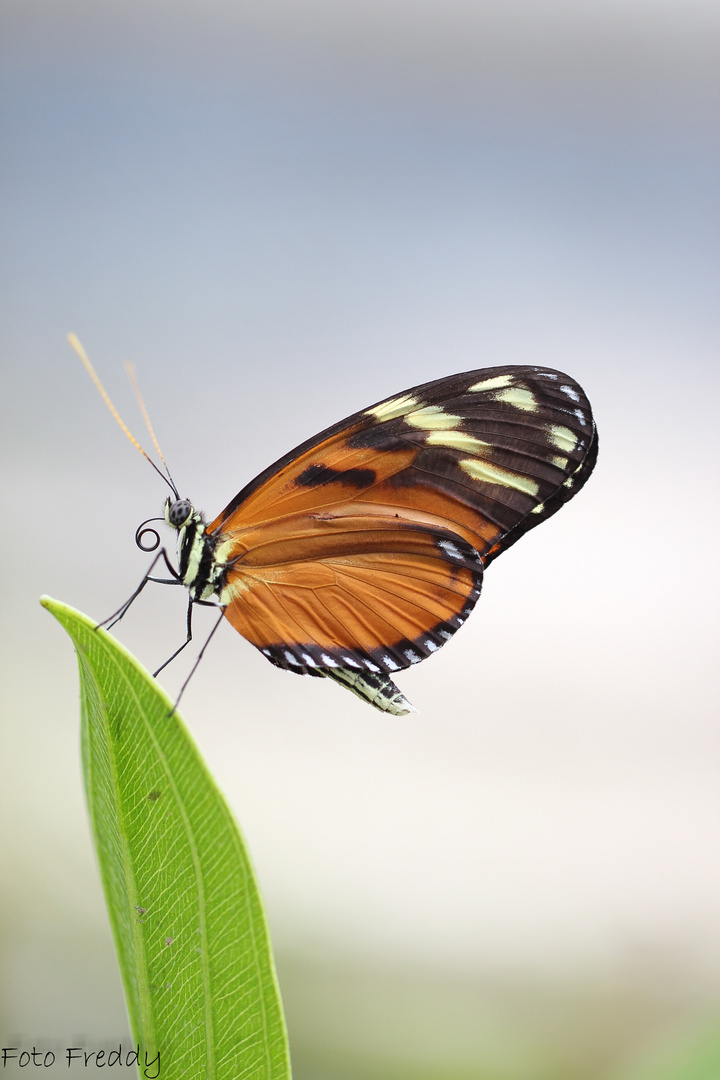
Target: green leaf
[188, 923]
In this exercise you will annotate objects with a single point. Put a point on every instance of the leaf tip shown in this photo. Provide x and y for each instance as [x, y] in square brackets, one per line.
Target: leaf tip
[65, 614]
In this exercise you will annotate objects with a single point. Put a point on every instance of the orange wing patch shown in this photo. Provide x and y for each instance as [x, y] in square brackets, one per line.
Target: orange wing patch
[369, 590]
[331, 472]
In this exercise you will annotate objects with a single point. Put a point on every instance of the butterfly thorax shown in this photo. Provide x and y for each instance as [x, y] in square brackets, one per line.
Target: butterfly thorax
[200, 570]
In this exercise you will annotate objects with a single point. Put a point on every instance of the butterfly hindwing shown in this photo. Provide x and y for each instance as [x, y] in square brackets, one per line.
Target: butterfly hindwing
[363, 549]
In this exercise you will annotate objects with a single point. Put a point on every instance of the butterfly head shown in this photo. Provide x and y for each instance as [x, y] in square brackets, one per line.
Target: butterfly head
[177, 512]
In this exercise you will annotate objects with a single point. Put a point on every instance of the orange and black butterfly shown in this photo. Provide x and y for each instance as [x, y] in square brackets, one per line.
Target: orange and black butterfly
[363, 550]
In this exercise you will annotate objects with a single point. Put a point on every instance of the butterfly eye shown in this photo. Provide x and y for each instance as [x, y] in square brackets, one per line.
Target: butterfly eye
[178, 512]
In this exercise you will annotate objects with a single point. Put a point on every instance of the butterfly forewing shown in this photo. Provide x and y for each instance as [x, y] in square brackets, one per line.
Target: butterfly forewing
[365, 546]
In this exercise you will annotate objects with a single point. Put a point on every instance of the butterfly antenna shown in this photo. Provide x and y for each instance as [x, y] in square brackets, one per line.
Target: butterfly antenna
[75, 343]
[129, 368]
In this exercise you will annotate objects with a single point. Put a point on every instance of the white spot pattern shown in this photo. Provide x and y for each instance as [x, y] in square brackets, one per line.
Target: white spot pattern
[432, 418]
[457, 440]
[493, 474]
[490, 384]
[395, 407]
[562, 437]
[450, 548]
[518, 397]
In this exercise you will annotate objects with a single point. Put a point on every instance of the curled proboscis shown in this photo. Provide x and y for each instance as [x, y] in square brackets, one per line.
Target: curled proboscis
[143, 531]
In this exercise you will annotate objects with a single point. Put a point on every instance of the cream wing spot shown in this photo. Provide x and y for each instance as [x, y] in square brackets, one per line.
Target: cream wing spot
[224, 551]
[492, 474]
[562, 437]
[395, 407]
[490, 384]
[519, 397]
[538, 509]
[561, 462]
[432, 418]
[232, 590]
[457, 440]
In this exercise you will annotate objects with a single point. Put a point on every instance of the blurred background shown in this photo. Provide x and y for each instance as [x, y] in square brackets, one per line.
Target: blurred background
[283, 212]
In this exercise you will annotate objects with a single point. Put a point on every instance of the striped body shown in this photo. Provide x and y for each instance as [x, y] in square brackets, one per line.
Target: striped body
[200, 571]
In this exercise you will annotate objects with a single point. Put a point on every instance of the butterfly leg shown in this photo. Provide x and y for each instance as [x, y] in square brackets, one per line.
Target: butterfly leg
[186, 642]
[174, 580]
[200, 655]
[188, 639]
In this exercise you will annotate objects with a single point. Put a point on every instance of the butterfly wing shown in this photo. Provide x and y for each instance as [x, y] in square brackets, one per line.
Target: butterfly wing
[362, 551]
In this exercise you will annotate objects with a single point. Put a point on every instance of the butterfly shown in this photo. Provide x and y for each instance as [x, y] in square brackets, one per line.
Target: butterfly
[362, 551]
